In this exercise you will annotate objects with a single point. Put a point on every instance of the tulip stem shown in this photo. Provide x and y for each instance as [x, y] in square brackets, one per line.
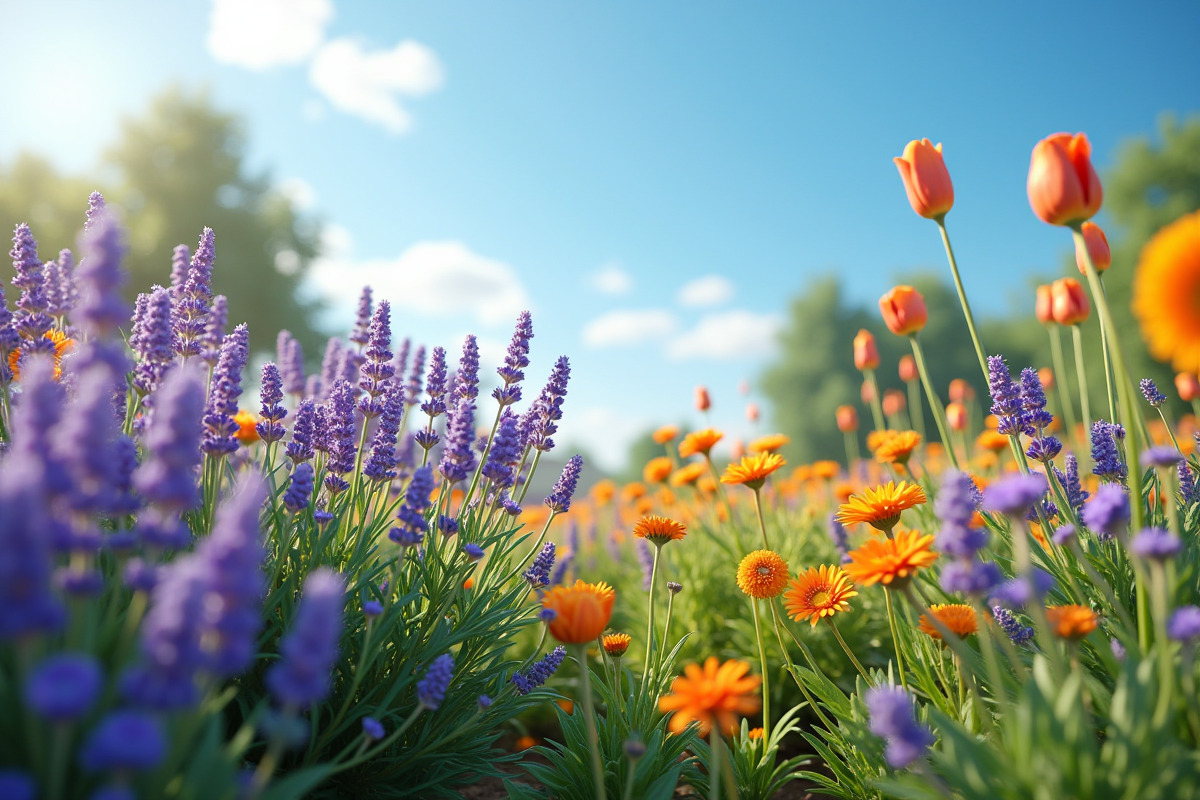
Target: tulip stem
[876, 404]
[935, 405]
[1108, 377]
[962, 297]
[915, 412]
[1084, 403]
[852, 454]
[590, 719]
[1060, 374]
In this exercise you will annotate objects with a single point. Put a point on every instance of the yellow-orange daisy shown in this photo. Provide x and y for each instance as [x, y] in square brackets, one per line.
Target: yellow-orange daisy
[876, 438]
[992, 441]
[62, 343]
[699, 442]
[603, 491]
[898, 447]
[826, 469]
[819, 592]
[1072, 622]
[752, 471]
[581, 612]
[769, 443]
[665, 434]
[880, 507]
[658, 530]
[247, 422]
[1166, 293]
[889, 561]
[958, 618]
[715, 693]
[688, 474]
[657, 470]
[632, 491]
[762, 574]
[615, 644]
[643, 506]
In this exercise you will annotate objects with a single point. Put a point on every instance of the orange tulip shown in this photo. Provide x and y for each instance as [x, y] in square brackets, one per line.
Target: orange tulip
[903, 310]
[1063, 187]
[1188, 386]
[582, 611]
[866, 354]
[847, 419]
[1071, 305]
[1097, 247]
[956, 415]
[703, 403]
[908, 369]
[960, 391]
[926, 180]
[893, 402]
[752, 412]
[1044, 306]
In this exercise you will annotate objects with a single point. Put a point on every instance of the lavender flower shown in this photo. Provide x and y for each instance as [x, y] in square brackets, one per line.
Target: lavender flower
[1018, 633]
[1013, 496]
[192, 303]
[539, 672]
[968, 576]
[1118, 649]
[1150, 391]
[646, 561]
[300, 448]
[505, 452]
[1006, 398]
[955, 506]
[291, 365]
[27, 604]
[1184, 624]
[411, 514]
[83, 443]
[563, 568]
[538, 423]
[538, 573]
[1157, 544]
[165, 679]
[435, 386]
[413, 392]
[271, 429]
[362, 323]
[377, 369]
[1108, 512]
[17, 785]
[431, 689]
[180, 257]
[214, 330]
[1044, 447]
[372, 729]
[60, 285]
[340, 435]
[467, 385]
[559, 500]
[473, 551]
[331, 364]
[308, 652]
[400, 360]
[154, 341]
[458, 459]
[839, 537]
[96, 209]
[1064, 534]
[64, 686]
[381, 464]
[1161, 456]
[125, 741]
[515, 361]
[1019, 591]
[1076, 495]
[1108, 464]
[32, 321]
[1187, 482]
[892, 718]
[226, 388]
[167, 477]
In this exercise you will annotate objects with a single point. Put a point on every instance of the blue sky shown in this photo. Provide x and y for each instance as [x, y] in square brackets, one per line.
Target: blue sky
[655, 180]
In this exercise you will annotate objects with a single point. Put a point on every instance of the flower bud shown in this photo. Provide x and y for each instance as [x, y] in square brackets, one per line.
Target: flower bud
[1044, 305]
[866, 354]
[1188, 386]
[893, 402]
[847, 419]
[961, 391]
[1097, 248]
[903, 310]
[926, 180]
[956, 416]
[752, 412]
[908, 369]
[1071, 305]
[703, 403]
[1063, 187]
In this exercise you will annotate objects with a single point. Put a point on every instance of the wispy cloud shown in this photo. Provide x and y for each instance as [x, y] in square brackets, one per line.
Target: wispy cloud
[371, 85]
[260, 34]
[736, 334]
[611, 278]
[626, 327]
[709, 290]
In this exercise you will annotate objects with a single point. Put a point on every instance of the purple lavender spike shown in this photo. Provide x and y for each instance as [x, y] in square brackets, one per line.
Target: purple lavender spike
[32, 321]
[381, 464]
[271, 428]
[300, 448]
[192, 307]
[95, 210]
[27, 603]
[331, 365]
[559, 499]
[362, 324]
[308, 651]
[152, 340]
[167, 477]
[467, 385]
[413, 393]
[60, 284]
[377, 370]
[538, 423]
[226, 388]
[214, 330]
[458, 458]
[505, 452]
[84, 444]
[180, 259]
[341, 430]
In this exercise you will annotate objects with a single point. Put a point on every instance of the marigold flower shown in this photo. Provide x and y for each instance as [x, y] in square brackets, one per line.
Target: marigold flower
[632, 491]
[657, 470]
[1071, 305]
[926, 179]
[819, 592]
[1043, 306]
[1165, 287]
[688, 474]
[903, 310]
[762, 574]
[752, 471]
[581, 611]
[889, 561]
[1072, 622]
[880, 507]
[665, 434]
[897, 448]
[247, 422]
[715, 693]
[1188, 386]
[603, 491]
[847, 419]
[825, 469]
[62, 343]
[1097, 247]
[615, 644]
[957, 617]
[703, 402]
[956, 416]
[658, 530]
[769, 443]
[866, 354]
[643, 506]
[1063, 187]
[699, 442]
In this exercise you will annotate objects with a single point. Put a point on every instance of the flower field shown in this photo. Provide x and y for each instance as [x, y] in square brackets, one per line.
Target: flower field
[347, 586]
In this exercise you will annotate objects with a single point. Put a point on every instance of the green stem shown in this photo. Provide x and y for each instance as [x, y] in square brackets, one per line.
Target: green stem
[876, 402]
[1084, 402]
[915, 413]
[1108, 377]
[1066, 407]
[962, 297]
[650, 615]
[662, 651]
[714, 769]
[852, 454]
[891, 614]
[787, 659]
[850, 653]
[766, 683]
[935, 404]
[762, 525]
[590, 720]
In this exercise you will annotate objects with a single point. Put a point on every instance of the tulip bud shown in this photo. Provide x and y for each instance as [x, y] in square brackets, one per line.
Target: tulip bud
[903, 310]
[893, 402]
[703, 403]
[1044, 306]
[926, 180]
[1063, 187]
[1097, 248]
[1046, 376]
[961, 391]
[866, 354]
[956, 416]
[752, 412]
[1188, 386]
[847, 419]
[1071, 305]
[867, 394]
[908, 369]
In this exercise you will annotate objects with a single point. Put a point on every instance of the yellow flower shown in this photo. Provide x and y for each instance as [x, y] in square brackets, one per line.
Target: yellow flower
[1072, 622]
[753, 470]
[657, 469]
[889, 561]
[688, 474]
[762, 574]
[880, 507]
[665, 434]
[719, 693]
[819, 592]
[1166, 293]
[615, 644]
[898, 447]
[61, 345]
[957, 617]
[658, 530]
[699, 442]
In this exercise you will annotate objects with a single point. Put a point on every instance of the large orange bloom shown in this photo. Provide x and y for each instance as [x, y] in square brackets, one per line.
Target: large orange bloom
[1072, 622]
[753, 470]
[762, 574]
[903, 310]
[1166, 293]
[880, 507]
[769, 443]
[957, 617]
[247, 422]
[581, 611]
[897, 448]
[62, 343]
[665, 434]
[657, 470]
[1063, 187]
[699, 442]
[720, 693]
[820, 592]
[890, 561]
[688, 474]
[658, 530]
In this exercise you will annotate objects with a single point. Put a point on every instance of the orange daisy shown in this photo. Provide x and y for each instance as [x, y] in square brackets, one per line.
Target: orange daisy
[957, 617]
[665, 434]
[658, 530]
[247, 422]
[876, 438]
[768, 444]
[615, 644]
[1072, 622]
[1165, 287]
[632, 491]
[753, 470]
[898, 447]
[62, 343]
[643, 506]
[699, 442]
[826, 470]
[819, 592]
[603, 491]
[581, 611]
[762, 574]
[716, 692]
[688, 474]
[880, 507]
[891, 560]
[992, 441]
[657, 469]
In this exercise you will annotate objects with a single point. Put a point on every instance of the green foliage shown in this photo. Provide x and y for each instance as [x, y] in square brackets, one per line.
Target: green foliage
[758, 772]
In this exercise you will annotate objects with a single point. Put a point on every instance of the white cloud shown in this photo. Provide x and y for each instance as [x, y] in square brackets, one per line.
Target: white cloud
[730, 334]
[629, 327]
[611, 278]
[259, 34]
[603, 432]
[710, 290]
[299, 192]
[370, 85]
[432, 278]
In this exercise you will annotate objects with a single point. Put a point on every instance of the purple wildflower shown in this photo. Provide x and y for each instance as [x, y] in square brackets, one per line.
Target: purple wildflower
[192, 304]
[1184, 624]
[214, 330]
[125, 741]
[1108, 512]
[559, 500]
[458, 459]
[412, 394]
[377, 369]
[1064, 534]
[431, 689]
[1157, 544]
[340, 429]
[1150, 391]
[411, 514]
[96, 209]
[505, 452]
[172, 655]
[1162, 456]
[153, 342]
[362, 323]
[372, 729]
[61, 294]
[538, 573]
[381, 464]
[167, 476]
[226, 388]
[955, 506]
[17, 785]
[291, 363]
[331, 365]
[64, 686]
[1118, 649]
[1019, 591]
[400, 360]
[538, 423]
[1108, 464]
[1006, 398]
[968, 576]
[646, 561]
[1187, 482]
[1044, 448]
[271, 428]
[467, 385]
[1076, 495]
[539, 672]
[1018, 633]
[515, 362]
[562, 569]
[372, 609]
[83, 443]
[300, 448]
[1013, 496]
[839, 536]
[473, 551]
[32, 321]
[308, 652]
[435, 386]
[892, 717]
[180, 258]
[547, 615]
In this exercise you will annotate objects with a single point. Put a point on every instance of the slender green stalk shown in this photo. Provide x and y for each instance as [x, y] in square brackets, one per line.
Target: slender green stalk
[714, 770]
[876, 402]
[1066, 407]
[935, 404]
[1085, 404]
[662, 650]
[852, 453]
[650, 614]
[812, 664]
[891, 615]
[915, 412]
[850, 653]
[762, 526]
[1105, 333]
[590, 719]
[766, 682]
[962, 297]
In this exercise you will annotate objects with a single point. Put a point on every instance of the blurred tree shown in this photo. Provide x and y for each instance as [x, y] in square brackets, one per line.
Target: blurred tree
[174, 170]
